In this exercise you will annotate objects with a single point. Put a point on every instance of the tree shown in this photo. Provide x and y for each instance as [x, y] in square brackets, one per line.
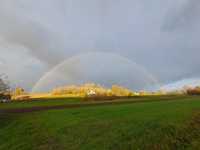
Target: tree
[18, 91]
[4, 87]
[121, 91]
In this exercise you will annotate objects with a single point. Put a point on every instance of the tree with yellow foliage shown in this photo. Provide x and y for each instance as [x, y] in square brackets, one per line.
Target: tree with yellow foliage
[18, 91]
[92, 89]
[121, 91]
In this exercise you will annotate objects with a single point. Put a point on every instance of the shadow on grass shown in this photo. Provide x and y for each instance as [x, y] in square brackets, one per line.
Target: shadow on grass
[5, 119]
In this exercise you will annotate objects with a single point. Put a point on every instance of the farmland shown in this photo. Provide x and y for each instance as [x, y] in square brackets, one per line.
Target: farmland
[160, 123]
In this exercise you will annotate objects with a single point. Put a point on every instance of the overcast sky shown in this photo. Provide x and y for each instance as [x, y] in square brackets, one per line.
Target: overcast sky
[162, 36]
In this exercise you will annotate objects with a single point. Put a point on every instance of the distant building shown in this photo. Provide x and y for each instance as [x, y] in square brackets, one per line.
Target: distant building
[91, 93]
[136, 93]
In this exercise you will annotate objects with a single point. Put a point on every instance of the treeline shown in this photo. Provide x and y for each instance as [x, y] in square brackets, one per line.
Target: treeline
[88, 90]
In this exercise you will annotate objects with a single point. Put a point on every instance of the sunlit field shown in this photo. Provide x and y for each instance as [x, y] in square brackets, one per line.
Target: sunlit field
[151, 123]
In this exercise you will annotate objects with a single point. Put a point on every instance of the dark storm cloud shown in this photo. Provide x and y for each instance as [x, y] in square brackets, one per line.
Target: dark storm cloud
[39, 40]
[181, 30]
[186, 15]
[160, 35]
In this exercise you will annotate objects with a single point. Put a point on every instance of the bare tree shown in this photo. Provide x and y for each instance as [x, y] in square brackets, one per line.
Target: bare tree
[4, 85]
[4, 88]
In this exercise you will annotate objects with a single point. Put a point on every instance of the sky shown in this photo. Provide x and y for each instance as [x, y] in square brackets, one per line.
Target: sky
[162, 36]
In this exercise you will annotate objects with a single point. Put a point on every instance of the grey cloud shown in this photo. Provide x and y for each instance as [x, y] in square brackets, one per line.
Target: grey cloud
[183, 16]
[160, 35]
[35, 37]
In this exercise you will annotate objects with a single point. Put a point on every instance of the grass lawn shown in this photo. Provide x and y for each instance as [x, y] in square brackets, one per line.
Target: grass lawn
[158, 125]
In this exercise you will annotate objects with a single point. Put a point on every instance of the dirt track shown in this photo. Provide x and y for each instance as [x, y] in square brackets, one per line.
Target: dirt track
[85, 104]
[42, 108]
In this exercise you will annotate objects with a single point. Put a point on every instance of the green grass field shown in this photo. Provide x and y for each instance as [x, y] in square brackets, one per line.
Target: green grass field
[153, 125]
